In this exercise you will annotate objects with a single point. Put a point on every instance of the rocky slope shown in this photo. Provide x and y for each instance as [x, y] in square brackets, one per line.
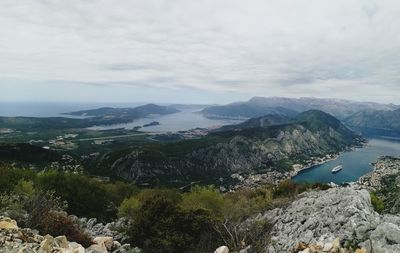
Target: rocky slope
[17, 240]
[375, 119]
[269, 148]
[341, 216]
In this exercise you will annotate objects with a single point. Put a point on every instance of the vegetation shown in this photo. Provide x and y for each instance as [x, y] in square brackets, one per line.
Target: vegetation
[377, 203]
[158, 220]
[86, 197]
[59, 223]
[164, 220]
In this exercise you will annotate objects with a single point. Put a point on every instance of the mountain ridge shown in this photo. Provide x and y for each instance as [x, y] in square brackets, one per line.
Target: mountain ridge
[339, 108]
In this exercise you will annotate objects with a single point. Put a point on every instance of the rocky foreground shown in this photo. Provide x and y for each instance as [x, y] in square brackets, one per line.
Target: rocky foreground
[337, 220]
[17, 240]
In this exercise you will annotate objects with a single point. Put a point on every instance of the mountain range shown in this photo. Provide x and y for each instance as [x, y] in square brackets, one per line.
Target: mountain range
[375, 119]
[260, 106]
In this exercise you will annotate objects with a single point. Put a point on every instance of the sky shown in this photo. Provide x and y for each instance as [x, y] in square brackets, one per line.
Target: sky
[190, 51]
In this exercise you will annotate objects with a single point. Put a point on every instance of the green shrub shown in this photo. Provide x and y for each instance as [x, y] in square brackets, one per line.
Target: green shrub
[118, 191]
[10, 177]
[245, 202]
[159, 224]
[29, 210]
[25, 187]
[207, 198]
[129, 207]
[85, 196]
[11, 205]
[377, 203]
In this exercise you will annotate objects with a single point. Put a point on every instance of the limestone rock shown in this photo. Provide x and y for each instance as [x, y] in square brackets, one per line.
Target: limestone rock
[61, 241]
[76, 248]
[96, 248]
[222, 249]
[322, 216]
[47, 244]
[106, 241]
[7, 223]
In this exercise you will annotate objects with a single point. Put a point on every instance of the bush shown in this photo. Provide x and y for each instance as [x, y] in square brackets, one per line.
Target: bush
[11, 205]
[245, 202]
[207, 198]
[29, 210]
[286, 188]
[85, 196]
[25, 187]
[10, 177]
[159, 224]
[377, 203]
[58, 223]
[129, 207]
[39, 205]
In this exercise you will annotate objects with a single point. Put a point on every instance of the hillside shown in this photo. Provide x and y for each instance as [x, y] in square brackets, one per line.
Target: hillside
[264, 121]
[219, 154]
[244, 110]
[376, 119]
[259, 106]
[136, 112]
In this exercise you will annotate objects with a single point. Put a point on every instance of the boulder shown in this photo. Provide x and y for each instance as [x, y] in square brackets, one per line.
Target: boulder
[8, 224]
[61, 242]
[106, 241]
[76, 248]
[222, 249]
[96, 248]
[47, 245]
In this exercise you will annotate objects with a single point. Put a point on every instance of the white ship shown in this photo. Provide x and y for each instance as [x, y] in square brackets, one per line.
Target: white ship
[337, 169]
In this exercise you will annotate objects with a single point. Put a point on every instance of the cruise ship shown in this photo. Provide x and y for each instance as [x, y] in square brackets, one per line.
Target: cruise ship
[337, 169]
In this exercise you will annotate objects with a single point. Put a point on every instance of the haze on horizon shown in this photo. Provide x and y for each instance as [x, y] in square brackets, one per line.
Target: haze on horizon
[186, 51]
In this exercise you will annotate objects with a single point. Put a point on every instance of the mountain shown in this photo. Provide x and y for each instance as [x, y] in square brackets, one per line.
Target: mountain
[136, 112]
[259, 106]
[264, 121]
[219, 154]
[244, 110]
[375, 119]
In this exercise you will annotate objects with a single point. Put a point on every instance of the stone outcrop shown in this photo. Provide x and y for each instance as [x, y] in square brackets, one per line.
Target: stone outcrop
[341, 216]
[16, 240]
[222, 249]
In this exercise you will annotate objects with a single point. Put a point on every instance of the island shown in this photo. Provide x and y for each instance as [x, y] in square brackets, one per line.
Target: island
[154, 123]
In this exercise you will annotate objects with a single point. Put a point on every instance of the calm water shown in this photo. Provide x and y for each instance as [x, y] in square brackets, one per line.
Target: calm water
[181, 121]
[355, 163]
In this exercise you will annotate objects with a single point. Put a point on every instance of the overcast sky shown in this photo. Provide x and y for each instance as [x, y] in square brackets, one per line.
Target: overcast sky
[193, 51]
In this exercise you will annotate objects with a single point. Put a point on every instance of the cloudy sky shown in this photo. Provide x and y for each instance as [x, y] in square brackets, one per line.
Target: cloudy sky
[190, 51]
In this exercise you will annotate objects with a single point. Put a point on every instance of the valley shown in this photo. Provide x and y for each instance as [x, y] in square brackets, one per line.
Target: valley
[130, 162]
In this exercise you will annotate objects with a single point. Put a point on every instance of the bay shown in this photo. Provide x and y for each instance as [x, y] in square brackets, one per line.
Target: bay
[355, 163]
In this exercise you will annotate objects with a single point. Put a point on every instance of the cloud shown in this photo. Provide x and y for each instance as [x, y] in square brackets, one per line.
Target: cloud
[276, 47]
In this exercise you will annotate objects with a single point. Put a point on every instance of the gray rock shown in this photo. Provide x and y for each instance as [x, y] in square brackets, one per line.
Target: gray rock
[322, 216]
[222, 249]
